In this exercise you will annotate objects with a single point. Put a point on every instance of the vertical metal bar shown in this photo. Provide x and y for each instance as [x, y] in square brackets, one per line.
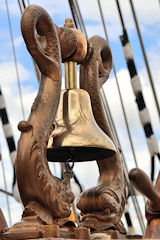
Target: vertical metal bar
[66, 70]
[70, 75]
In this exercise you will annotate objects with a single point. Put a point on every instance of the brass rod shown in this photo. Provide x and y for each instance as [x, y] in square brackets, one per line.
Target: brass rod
[70, 75]
[66, 66]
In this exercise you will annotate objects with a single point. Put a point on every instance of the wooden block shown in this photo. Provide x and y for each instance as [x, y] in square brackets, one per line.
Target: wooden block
[32, 230]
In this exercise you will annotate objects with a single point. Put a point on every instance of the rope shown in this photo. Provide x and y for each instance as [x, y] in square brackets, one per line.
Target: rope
[76, 179]
[118, 88]
[108, 115]
[120, 15]
[24, 6]
[20, 7]
[5, 192]
[77, 16]
[137, 89]
[145, 57]
[128, 219]
[15, 60]
[7, 129]
[7, 197]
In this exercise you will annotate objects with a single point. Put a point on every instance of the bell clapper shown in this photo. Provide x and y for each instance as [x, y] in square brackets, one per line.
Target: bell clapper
[68, 174]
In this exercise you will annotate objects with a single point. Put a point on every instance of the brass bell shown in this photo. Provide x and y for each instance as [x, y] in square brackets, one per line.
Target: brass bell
[76, 135]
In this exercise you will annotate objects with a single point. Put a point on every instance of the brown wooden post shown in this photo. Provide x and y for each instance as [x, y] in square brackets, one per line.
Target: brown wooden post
[153, 225]
[143, 184]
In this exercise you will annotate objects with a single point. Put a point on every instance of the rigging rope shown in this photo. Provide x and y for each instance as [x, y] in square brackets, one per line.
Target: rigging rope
[22, 7]
[145, 57]
[7, 129]
[10, 140]
[128, 219]
[137, 89]
[5, 187]
[119, 91]
[6, 192]
[15, 60]
[77, 16]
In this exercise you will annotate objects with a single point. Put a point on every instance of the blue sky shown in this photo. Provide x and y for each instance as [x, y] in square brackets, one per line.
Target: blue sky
[148, 13]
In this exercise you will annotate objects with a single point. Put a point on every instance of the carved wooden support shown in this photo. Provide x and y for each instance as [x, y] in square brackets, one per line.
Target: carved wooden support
[102, 206]
[143, 184]
[46, 198]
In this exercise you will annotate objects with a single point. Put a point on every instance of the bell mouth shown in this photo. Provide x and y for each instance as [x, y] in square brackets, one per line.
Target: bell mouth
[79, 154]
